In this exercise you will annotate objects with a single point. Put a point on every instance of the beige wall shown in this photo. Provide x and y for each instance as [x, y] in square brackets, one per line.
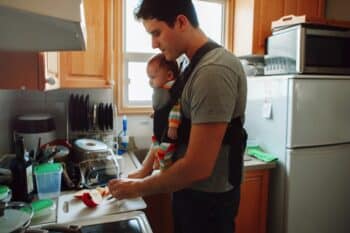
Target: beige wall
[338, 9]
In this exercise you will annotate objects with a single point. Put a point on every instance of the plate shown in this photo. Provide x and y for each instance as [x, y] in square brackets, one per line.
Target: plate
[111, 116]
[100, 116]
[86, 113]
[106, 117]
[71, 111]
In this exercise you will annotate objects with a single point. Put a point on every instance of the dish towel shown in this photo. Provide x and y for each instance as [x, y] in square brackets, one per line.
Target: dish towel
[258, 153]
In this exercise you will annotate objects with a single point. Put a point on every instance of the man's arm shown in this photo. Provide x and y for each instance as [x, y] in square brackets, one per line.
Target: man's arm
[197, 164]
[146, 167]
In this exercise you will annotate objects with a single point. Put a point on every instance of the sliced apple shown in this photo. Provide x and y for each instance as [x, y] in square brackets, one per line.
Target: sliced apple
[80, 193]
[104, 191]
[92, 198]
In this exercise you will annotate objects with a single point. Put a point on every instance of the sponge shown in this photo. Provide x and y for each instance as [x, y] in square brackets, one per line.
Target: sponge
[43, 207]
[258, 153]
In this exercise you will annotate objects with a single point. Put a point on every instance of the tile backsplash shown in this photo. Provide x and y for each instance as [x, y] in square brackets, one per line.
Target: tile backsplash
[18, 102]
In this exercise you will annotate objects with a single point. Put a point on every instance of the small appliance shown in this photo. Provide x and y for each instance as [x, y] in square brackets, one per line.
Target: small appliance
[308, 49]
[96, 163]
[33, 127]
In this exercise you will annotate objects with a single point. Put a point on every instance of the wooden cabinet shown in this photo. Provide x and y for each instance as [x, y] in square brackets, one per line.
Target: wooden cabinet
[252, 211]
[254, 199]
[315, 8]
[90, 68]
[51, 70]
[26, 71]
[252, 20]
[159, 213]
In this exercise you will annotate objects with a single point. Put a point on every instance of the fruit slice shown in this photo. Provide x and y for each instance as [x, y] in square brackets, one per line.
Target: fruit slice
[92, 198]
[104, 191]
[80, 193]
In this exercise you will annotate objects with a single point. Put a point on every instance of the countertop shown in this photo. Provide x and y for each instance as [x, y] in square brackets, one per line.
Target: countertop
[251, 163]
[128, 163]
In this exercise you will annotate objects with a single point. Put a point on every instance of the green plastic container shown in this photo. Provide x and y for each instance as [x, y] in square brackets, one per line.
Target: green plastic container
[48, 180]
[5, 193]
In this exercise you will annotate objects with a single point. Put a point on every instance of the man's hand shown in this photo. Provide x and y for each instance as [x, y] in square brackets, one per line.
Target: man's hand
[124, 188]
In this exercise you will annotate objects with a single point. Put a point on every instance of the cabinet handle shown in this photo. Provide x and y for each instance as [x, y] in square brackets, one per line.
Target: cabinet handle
[51, 80]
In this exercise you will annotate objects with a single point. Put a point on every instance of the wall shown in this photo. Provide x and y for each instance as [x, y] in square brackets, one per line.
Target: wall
[14, 103]
[17, 102]
[338, 9]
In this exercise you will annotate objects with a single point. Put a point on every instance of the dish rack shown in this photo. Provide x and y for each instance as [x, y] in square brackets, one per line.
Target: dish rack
[91, 120]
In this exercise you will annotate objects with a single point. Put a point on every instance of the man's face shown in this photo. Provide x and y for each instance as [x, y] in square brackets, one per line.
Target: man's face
[164, 37]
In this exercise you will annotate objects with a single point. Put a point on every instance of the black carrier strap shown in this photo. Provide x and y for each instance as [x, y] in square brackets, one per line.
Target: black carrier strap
[160, 126]
[235, 134]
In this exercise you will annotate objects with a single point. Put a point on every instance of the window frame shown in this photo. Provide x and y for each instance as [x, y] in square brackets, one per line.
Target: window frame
[120, 58]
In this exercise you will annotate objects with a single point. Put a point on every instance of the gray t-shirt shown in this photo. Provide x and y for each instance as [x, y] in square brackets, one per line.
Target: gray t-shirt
[216, 91]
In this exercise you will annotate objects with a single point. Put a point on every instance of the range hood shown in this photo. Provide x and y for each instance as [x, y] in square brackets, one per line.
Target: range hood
[42, 25]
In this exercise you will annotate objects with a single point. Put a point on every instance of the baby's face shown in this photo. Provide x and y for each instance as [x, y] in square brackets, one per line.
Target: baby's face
[158, 76]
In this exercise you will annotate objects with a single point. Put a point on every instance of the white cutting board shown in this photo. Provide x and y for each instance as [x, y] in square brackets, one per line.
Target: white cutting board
[71, 209]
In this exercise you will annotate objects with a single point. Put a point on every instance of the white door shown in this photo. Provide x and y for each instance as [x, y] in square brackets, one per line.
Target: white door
[318, 111]
[318, 190]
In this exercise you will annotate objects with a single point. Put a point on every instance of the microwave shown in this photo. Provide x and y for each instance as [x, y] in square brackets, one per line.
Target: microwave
[308, 49]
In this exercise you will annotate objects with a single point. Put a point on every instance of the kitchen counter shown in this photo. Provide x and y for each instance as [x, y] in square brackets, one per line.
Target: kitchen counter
[128, 163]
[251, 163]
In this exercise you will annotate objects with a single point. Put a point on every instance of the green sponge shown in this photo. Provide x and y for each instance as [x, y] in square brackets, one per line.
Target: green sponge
[40, 207]
[42, 204]
[258, 153]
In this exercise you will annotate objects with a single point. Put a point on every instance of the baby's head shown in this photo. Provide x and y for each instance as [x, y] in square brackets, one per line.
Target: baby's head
[160, 71]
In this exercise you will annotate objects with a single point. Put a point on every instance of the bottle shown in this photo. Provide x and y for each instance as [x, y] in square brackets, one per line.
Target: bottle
[22, 173]
[124, 138]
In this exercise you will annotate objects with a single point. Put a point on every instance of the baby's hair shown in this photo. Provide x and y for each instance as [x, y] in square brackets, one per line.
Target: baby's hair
[163, 62]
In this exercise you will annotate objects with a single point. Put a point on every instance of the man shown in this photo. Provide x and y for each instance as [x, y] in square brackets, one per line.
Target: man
[206, 174]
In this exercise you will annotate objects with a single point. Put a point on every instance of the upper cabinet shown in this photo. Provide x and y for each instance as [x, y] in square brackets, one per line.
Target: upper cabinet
[313, 8]
[51, 70]
[27, 71]
[90, 68]
[252, 20]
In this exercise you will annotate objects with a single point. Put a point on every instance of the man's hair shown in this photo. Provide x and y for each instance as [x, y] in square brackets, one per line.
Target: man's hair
[167, 11]
[163, 62]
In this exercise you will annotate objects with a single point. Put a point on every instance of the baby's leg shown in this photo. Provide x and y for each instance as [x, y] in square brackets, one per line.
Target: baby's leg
[165, 154]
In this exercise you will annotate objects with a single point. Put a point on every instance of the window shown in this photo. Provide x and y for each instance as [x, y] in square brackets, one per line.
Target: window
[134, 92]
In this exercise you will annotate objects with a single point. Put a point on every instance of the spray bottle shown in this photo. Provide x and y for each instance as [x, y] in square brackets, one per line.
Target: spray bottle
[124, 137]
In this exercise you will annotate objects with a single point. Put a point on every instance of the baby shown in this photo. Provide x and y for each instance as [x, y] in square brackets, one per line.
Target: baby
[166, 118]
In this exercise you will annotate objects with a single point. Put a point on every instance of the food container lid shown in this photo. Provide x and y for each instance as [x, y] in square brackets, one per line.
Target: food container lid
[43, 207]
[15, 216]
[4, 193]
[47, 168]
[86, 144]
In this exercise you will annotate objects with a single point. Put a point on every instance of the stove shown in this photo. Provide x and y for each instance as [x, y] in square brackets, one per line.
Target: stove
[129, 222]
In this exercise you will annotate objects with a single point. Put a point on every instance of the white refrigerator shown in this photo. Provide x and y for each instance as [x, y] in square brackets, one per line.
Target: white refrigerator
[305, 121]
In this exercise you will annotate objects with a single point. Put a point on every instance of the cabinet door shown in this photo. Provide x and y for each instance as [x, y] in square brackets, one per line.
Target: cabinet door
[92, 67]
[19, 70]
[252, 20]
[50, 70]
[265, 11]
[159, 213]
[253, 205]
[311, 8]
[252, 24]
